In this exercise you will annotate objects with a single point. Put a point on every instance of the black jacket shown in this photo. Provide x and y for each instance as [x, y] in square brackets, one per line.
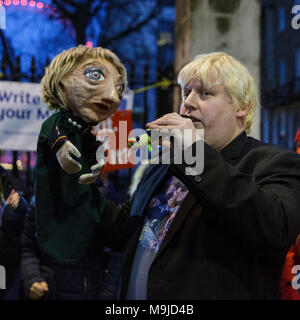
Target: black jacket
[66, 281]
[10, 247]
[232, 232]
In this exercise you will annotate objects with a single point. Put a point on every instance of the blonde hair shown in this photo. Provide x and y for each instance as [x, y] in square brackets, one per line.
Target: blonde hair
[52, 91]
[231, 73]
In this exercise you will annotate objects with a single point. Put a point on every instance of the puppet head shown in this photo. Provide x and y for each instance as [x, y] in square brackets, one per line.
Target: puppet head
[87, 81]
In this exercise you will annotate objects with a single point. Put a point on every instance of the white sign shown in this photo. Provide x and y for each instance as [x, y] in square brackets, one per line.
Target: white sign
[2, 18]
[21, 115]
[2, 278]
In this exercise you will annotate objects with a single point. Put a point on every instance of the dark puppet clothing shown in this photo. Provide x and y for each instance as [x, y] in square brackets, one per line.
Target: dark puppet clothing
[66, 212]
[232, 231]
[80, 280]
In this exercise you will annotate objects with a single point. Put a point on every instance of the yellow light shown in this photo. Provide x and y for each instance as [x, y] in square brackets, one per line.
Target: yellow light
[9, 166]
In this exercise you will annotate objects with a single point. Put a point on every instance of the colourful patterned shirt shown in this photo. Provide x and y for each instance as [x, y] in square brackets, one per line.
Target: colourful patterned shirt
[159, 216]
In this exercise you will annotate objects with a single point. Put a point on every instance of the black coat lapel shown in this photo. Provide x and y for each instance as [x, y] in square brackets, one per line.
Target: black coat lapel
[186, 206]
[149, 184]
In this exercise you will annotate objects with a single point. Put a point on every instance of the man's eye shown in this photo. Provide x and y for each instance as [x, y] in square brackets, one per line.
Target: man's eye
[94, 74]
[121, 87]
[204, 94]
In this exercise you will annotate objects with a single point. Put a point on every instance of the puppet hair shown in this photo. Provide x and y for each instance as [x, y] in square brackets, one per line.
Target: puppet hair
[52, 91]
[219, 68]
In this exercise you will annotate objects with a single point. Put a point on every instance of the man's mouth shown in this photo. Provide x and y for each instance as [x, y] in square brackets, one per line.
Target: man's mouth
[101, 106]
[192, 118]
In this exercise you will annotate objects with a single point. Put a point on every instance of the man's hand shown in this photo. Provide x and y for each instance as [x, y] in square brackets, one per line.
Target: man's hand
[182, 129]
[37, 290]
[65, 159]
[96, 169]
[13, 199]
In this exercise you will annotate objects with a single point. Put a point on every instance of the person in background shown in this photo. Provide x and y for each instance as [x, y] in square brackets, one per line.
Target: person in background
[287, 292]
[12, 213]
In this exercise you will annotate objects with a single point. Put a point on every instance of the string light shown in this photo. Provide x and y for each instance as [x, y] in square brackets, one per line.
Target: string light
[31, 3]
[89, 44]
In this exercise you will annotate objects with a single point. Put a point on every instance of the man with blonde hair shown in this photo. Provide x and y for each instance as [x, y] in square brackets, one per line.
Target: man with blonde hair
[222, 233]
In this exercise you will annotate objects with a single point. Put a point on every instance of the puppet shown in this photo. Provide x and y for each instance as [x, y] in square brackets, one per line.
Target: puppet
[84, 86]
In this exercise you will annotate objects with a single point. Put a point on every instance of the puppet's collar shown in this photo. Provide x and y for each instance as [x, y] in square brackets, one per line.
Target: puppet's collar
[76, 123]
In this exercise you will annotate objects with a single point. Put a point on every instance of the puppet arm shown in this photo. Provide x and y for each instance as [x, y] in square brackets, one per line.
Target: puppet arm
[64, 150]
[64, 157]
[96, 169]
[94, 156]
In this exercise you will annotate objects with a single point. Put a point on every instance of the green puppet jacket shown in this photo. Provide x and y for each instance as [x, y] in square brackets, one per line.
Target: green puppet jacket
[66, 211]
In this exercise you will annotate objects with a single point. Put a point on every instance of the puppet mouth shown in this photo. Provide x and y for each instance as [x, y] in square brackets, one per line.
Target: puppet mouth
[101, 106]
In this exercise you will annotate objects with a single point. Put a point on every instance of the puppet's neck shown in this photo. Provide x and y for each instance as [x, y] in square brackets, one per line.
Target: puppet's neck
[75, 122]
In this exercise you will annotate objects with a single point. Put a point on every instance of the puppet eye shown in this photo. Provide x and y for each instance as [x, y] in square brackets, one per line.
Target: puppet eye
[121, 87]
[94, 74]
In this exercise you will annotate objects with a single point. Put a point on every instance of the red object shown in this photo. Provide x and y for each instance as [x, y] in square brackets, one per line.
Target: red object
[287, 292]
[116, 129]
[297, 136]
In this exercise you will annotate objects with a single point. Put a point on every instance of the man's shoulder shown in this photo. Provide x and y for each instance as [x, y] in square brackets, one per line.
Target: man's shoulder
[264, 147]
[261, 155]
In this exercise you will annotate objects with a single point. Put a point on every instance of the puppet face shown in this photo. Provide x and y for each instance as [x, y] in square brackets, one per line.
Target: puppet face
[94, 90]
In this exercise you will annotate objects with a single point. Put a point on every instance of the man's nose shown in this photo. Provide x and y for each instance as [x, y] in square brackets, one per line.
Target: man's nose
[111, 94]
[190, 103]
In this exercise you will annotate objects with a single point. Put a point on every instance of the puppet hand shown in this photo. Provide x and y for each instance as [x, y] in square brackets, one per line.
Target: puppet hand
[96, 169]
[65, 159]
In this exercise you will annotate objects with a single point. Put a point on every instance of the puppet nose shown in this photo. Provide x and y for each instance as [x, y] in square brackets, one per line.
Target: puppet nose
[111, 94]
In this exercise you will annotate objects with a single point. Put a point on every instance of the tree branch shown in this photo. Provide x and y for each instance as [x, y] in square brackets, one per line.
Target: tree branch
[106, 42]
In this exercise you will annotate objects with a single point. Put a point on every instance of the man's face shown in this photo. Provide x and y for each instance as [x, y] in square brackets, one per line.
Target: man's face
[212, 110]
[94, 90]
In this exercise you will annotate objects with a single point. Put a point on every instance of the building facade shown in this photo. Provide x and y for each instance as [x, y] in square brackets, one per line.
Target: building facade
[231, 26]
[280, 71]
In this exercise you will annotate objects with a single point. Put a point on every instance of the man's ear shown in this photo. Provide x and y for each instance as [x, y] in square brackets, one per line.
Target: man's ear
[241, 113]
